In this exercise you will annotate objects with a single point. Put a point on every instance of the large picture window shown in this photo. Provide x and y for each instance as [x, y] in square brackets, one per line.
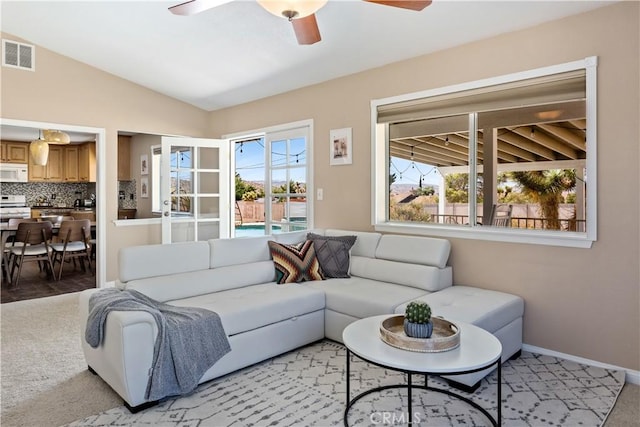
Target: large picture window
[500, 159]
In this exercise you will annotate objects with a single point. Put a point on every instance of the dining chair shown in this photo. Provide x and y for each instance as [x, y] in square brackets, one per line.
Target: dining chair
[10, 241]
[72, 243]
[31, 244]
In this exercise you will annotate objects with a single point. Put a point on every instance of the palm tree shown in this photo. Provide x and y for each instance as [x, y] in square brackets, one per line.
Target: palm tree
[546, 188]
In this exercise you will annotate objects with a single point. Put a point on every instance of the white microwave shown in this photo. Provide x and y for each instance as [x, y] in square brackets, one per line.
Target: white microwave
[14, 172]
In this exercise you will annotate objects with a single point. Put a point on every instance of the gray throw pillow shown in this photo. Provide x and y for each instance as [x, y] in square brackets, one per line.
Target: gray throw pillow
[333, 253]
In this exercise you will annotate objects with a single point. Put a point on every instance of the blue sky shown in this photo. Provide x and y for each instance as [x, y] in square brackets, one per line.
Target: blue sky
[250, 160]
[408, 172]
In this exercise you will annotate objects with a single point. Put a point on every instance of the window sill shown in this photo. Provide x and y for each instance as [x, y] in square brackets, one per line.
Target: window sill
[140, 221]
[548, 238]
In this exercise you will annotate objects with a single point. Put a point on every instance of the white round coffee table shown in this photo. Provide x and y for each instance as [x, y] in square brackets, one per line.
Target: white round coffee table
[478, 350]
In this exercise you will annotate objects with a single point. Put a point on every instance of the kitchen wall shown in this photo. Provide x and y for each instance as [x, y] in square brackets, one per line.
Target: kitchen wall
[584, 302]
[65, 192]
[93, 98]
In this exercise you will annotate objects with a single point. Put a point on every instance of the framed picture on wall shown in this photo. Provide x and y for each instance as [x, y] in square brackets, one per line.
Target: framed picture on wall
[340, 147]
[144, 187]
[144, 164]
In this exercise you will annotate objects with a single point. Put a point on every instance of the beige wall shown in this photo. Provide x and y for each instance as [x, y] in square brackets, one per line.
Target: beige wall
[583, 302]
[65, 91]
[141, 144]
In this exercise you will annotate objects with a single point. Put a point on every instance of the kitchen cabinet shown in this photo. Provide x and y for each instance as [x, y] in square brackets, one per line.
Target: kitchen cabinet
[66, 163]
[53, 171]
[126, 213]
[124, 158]
[87, 162]
[14, 152]
[86, 214]
[70, 163]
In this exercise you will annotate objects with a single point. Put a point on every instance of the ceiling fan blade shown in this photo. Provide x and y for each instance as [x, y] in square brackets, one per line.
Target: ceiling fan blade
[192, 7]
[417, 5]
[306, 29]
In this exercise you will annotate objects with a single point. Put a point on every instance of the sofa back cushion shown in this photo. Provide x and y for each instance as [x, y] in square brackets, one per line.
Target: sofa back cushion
[418, 276]
[414, 249]
[184, 285]
[138, 262]
[293, 237]
[366, 242]
[243, 250]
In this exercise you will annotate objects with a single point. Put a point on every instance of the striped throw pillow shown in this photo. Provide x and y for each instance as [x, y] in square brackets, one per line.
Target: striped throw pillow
[295, 263]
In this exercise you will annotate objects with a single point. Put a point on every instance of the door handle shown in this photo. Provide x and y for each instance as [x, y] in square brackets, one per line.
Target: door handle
[166, 214]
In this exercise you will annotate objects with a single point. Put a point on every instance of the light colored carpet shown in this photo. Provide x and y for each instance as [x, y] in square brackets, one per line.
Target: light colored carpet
[45, 383]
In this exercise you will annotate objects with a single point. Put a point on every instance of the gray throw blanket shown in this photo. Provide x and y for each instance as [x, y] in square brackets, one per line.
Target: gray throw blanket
[190, 340]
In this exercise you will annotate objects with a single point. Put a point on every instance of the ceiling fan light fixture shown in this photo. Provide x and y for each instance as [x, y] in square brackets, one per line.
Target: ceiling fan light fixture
[56, 137]
[291, 9]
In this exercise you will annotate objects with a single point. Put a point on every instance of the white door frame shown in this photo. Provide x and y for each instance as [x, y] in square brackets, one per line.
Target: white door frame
[101, 209]
[222, 170]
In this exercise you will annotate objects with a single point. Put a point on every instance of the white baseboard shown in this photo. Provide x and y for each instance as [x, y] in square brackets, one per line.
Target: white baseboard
[631, 376]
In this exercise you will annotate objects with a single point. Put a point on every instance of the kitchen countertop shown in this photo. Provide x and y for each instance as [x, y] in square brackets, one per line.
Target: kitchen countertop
[71, 208]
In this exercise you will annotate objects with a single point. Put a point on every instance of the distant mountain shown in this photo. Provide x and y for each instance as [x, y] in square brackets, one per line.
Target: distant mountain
[406, 188]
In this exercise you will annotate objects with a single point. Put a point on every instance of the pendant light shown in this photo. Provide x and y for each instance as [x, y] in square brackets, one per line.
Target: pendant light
[56, 137]
[39, 149]
[291, 9]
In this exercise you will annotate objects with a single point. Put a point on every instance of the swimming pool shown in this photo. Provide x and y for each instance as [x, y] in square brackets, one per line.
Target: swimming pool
[252, 230]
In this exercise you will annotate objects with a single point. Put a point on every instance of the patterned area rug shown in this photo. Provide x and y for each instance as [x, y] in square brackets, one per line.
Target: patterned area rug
[307, 388]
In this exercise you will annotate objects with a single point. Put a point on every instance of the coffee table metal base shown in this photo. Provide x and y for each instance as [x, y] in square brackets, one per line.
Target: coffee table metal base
[410, 386]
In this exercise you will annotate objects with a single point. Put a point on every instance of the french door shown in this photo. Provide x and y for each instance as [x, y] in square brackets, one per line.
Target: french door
[273, 173]
[194, 188]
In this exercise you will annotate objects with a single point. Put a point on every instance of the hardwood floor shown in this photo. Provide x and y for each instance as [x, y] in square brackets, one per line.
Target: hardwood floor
[34, 283]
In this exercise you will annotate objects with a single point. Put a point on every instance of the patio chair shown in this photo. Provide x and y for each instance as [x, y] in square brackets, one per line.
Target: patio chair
[501, 215]
[72, 243]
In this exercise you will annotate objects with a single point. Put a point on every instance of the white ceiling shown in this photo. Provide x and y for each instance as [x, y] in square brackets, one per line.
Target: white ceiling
[238, 52]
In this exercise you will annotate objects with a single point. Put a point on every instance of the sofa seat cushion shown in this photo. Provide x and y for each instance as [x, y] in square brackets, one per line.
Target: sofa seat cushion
[490, 310]
[360, 297]
[251, 307]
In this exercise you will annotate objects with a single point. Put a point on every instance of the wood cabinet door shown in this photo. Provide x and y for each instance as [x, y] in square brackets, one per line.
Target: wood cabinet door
[87, 162]
[15, 152]
[124, 158]
[55, 164]
[71, 173]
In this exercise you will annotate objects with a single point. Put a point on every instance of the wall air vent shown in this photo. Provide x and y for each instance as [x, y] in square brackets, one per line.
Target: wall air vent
[18, 55]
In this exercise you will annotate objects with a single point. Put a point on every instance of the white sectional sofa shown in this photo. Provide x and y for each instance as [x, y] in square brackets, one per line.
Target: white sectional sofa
[235, 278]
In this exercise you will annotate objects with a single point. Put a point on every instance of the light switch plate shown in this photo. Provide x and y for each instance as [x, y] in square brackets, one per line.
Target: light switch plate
[320, 194]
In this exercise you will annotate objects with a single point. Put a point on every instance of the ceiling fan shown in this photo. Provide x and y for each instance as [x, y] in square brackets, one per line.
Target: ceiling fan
[301, 13]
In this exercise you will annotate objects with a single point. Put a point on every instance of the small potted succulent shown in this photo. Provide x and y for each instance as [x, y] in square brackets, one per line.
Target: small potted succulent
[417, 320]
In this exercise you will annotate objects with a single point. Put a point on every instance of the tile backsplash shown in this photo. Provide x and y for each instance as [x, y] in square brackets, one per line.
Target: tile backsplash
[130, 197]
[65, 192]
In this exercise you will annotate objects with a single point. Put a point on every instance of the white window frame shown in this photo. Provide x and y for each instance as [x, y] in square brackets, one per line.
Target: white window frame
[380, 167]
[256, 133]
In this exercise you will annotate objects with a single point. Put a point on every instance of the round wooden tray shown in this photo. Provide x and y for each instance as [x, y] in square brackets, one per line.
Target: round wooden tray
[445, 336]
